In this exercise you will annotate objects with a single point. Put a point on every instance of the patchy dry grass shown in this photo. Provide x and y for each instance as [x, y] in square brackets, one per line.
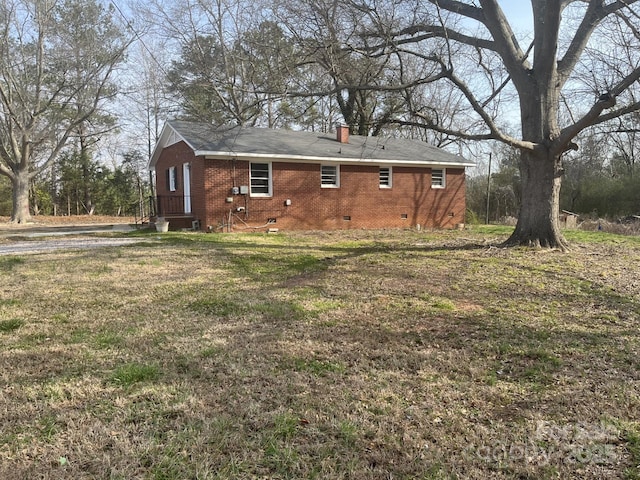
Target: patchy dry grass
[326, 355]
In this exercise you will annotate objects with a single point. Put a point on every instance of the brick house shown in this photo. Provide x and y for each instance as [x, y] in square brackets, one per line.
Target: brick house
[237, 178]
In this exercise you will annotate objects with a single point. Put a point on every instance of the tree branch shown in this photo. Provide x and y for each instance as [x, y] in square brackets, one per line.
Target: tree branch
[569, 133]
[437, 31]
[464, 9]
[634, 107]
[596, 12]
[504, 40]
[513, 56]
[5, 158]
[594, 115]
[496, 133]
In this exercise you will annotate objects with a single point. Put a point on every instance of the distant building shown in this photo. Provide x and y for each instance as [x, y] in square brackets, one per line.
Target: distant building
[568, 219]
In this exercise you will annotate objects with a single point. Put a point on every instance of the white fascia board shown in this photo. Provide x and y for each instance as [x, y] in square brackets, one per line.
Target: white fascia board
[340, 160]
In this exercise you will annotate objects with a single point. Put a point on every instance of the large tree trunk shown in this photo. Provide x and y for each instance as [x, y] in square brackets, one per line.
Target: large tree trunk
[20, 211]
[540, 167]
[538, 223]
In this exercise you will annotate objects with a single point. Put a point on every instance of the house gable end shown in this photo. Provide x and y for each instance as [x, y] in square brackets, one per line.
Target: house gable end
[173, 138]
[168, 137]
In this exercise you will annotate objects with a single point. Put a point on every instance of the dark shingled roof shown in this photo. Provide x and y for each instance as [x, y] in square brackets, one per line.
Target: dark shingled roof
[249, 142]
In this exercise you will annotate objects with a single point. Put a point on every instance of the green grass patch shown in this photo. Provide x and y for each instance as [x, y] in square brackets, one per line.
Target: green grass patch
[285, 426]
[316, 367]
[631, 437]
[443, 304]
[348, 432]
[210, 352]
[252, 308]
[8, 263]
[10, 325]
[218, 307]
[268, 266]
[132, 373]
[281, 459]
[108, 340]
[598, 237]
[49, 428]
[9, 302]
[79, 335]
[278, 310]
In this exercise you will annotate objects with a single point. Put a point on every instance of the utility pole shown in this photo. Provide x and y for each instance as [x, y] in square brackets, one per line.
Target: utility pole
[488, 190]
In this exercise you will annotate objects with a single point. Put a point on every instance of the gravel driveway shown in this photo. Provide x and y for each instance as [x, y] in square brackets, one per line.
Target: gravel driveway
[54, 239]
[41, 246]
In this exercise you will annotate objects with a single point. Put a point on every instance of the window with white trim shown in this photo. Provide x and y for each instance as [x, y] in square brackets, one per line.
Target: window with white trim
[438, 176]
[172, 179]
[330, 176]
[260, 179]
[385, 177]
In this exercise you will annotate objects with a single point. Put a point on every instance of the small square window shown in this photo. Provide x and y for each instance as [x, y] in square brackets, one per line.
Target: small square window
[329, 176]
[385, 177]
[438, 176]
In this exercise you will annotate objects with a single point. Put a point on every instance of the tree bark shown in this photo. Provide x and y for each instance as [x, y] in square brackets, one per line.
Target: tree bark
[540, 167]
[20, 210]
[538, 223]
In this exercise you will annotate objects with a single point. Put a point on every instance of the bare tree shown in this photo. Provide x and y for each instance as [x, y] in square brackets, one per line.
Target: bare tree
[581, 69]
[227, 58]
[55, 71]
[325, 30]
[143, 95]
[626, 143]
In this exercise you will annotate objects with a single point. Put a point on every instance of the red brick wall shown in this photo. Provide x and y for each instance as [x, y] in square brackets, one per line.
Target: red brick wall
[411, 201]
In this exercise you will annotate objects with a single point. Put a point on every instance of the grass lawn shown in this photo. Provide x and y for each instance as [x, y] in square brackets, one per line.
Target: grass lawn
[328, 355]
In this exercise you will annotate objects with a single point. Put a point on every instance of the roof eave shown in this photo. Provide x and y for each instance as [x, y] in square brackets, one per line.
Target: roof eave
[316, 159]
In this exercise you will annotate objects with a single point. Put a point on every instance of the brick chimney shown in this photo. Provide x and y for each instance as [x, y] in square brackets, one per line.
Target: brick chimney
[342, 132]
